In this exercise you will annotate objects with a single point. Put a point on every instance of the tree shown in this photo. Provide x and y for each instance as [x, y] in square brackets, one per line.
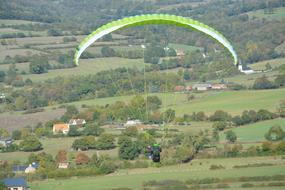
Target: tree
[169, 115]
[16, 135]
[61, 156]
[105, 142]
[280, 80]
[39, 64]
[2, 186]
[231, 136]
[215, 135]
[106, 51]
[2, 76]
[153, 103]
[275, 133]
[186, 75]
[4, 133]
[93, 129]
[82, 159]
[220, 115]
[220, 125]
[131, 131]
[30, 143]
[281, 108]
[262, 83]
[73, 132]
[128, 149]
[264, 115]
[71, 111]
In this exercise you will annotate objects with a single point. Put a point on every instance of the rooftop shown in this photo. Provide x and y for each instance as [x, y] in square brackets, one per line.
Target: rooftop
[15, 182]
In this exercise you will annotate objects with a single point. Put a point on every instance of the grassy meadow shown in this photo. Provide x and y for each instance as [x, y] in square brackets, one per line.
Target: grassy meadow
[198, 169]
[254, 132]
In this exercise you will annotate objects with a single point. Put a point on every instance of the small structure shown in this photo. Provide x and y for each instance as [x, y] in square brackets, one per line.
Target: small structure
[179, 88]
[63, 165]
[77, 122]
[131, 123]
[15, 184]
[6, 142]
[30, 169]
[180, 53]
[219, 86]
[18, 168]
[60, 128]
[120, 127]
[246, 71]
[202, 87]
[188, 88]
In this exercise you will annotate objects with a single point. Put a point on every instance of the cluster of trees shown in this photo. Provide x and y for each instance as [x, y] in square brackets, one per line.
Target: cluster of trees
[29, 144]
[61, 90]
[264, 83]
[104, 142]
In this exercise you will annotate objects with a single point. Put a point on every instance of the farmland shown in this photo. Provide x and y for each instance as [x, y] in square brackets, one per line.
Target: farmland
[255, 132]
[230, 101]
[198, 169]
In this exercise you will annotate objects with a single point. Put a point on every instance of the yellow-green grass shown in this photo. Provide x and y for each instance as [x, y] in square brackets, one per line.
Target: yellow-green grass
[197, 169]
[9, 22]
[183, 47]
[254, 132]
[281, 49]
[233, 102]
[88, 66]
[19, 66]
[52, 146]
[273, 62]
[248, 80]
[279, 13]
[13, 52]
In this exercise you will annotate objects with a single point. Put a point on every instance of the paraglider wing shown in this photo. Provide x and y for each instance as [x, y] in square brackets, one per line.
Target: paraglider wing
[153, 19]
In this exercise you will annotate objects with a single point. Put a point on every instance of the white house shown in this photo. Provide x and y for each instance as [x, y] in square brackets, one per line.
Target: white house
[201, 87]
[131, 123]
[247, 71]
[77, 122]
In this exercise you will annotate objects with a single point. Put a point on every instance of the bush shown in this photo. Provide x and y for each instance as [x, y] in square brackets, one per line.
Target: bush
[275, 133]
[231, 136]
[247, 185]
[220, 125]
[216, 167]
[30, 143]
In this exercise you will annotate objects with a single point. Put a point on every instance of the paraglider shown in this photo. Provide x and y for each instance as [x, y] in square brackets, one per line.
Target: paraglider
[154, 152]
[154, 19]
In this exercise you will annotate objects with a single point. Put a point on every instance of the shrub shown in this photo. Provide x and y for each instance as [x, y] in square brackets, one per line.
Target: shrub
[275, 133]
[216, 167]
[247, 185]
[30, 143]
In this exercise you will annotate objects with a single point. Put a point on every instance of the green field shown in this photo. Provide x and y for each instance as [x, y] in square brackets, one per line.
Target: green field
[274, 63]
[198, 169]
[247, 80]
[88, 66]
[255, 132]
[278, 13]
[233, 102]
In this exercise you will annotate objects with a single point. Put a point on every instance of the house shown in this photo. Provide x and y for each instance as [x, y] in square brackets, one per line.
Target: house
[219, 86]
[18, 168]
[6, 142]
[188, 88]
[63, 165]
[131, 123]
[120, 127]
[30, 169]
[179, 88]
[180, 53]
[246, 71]
[15, 184]
[202, 87]
[60, 128]
[77, 122]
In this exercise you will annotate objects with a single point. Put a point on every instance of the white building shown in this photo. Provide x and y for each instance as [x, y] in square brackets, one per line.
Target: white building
[131, 123]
